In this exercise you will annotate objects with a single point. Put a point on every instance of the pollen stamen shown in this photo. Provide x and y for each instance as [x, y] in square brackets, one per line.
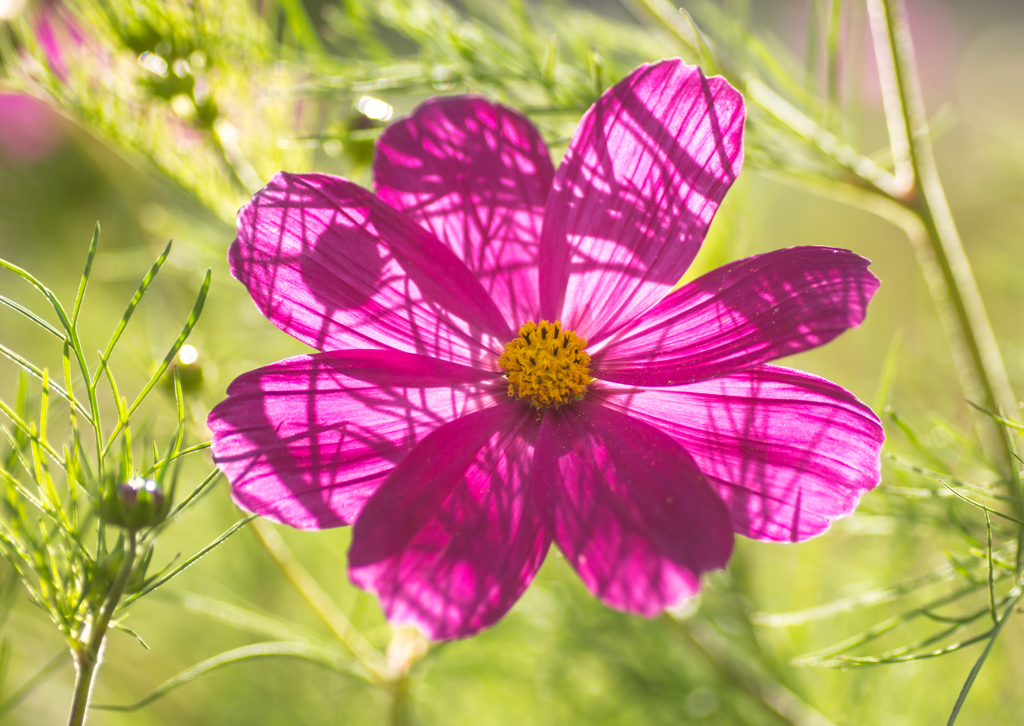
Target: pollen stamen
[537, 372]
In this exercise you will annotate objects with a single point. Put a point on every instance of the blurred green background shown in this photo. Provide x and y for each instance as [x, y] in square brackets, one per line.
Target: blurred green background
[559, 657]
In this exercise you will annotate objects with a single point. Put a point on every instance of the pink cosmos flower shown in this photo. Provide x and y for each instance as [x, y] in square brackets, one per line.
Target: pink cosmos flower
[504, 363]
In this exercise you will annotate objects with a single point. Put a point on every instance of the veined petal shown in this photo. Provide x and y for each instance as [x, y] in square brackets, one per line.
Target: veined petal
[477, 175]
[743, 314]
[628, 507]
[633, 198]
[452, 539]
[787, 451]
[308, 440]
[337, 268]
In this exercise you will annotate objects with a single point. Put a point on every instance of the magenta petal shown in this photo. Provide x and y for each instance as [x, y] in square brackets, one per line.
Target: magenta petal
[452, 539]
[307, 440]
[49, 42]
[632, 201]
[476, 174]
[329, 263]
[745, 313]
[628, 508]
[787, 451]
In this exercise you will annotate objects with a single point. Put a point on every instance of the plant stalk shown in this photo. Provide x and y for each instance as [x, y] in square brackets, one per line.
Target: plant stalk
[88, 659]
[979, 363]
[304, 583]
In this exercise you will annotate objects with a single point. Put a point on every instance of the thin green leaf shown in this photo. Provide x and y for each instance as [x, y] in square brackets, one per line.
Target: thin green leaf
[55, 664]
[995, 417]
[301, 651]
[888, 374]
[851, 662]
[886, 626]
[134, 303]
[849, 604]
[12, 482]
[811, 45]
[187, 563]
[701, 43]
[130, 632]
[32, 316]
[85, 275]
[186, 502]
[972, 676]
[912, 437]
[175, 446]
[991, 579]
[248, 620]
[27, 430]
[302, 27]
[832, 66]
[47, 293]
[805, 127]
[979, 505]
[29, 368]
[597, 72]
[550, 63]
[193, 318]
[184, 452]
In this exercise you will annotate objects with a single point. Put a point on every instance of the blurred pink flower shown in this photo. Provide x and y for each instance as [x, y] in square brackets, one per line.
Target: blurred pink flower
[459, 449]
[57, 33]
[29, 129]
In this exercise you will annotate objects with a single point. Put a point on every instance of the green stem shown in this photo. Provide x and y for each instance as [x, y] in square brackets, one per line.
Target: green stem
[322, 604]
[401, 714]
[976, 353]
[89, 657]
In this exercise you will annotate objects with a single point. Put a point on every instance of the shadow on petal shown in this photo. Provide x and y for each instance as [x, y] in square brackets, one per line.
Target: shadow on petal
[633, 199]
[308, 440]
[741, 315]
[477, 175]
[787, 451]
[337, 268]
[453, 538]
[628, 508]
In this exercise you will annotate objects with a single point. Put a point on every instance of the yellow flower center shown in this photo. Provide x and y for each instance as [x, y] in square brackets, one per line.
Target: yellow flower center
[546, 365]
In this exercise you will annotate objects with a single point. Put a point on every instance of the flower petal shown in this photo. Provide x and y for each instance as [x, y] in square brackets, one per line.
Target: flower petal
[788, 452]
[452, 539]
[476, 174]
[337, 268]
[307, 440]
[628, 508]
[632, 201]
[745, 313]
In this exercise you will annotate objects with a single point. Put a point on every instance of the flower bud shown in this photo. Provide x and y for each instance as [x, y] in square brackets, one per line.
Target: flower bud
[135, 504]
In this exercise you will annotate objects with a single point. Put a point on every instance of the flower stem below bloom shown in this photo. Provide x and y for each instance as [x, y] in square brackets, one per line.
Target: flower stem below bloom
[980, 365]
[90, 655]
